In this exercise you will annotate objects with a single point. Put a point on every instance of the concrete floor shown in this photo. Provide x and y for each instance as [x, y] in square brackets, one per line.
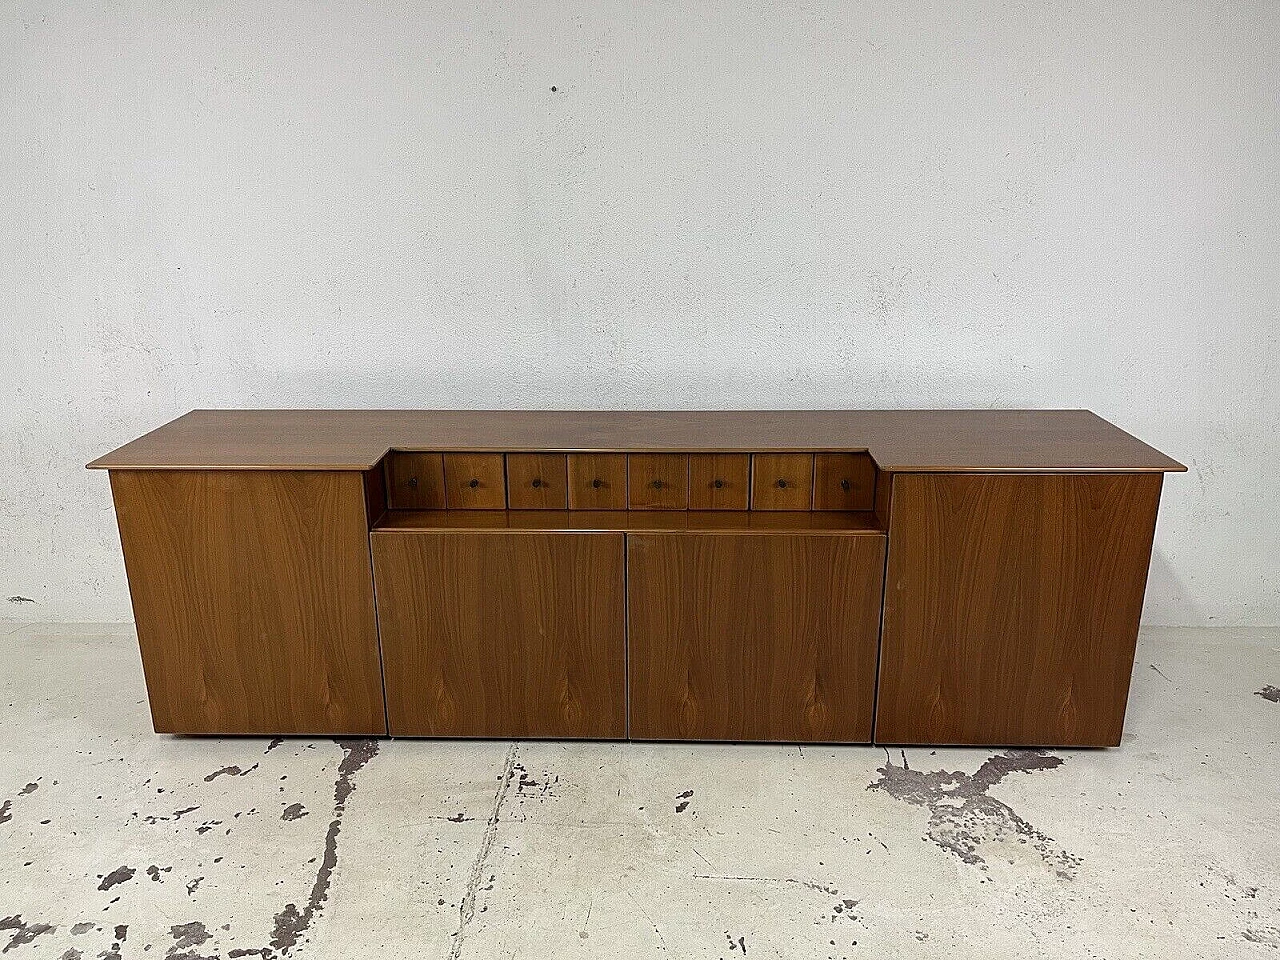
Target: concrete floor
[115, 842]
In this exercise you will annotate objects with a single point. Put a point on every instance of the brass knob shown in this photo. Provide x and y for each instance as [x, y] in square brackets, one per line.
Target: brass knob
[717, 483]
[474, 483]
[781, 482]
[537, 482]
[596, 483]
[844, 484]
[657, 484]
[413, 482]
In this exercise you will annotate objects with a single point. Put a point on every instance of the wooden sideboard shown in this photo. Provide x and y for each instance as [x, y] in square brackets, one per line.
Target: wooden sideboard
[896, 576]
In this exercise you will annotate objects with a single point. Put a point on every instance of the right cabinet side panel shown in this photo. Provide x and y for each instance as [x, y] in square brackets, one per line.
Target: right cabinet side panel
[1012, 605]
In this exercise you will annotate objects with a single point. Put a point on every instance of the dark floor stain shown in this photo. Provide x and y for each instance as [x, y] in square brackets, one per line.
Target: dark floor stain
[118, 875]
[71, 954]
[176, 815]
[807, 884]
[154, 872]
[122, 933]
[291, 923]
[294, 811]
[187, 936]
[844, 910]
[459, 817]
[20, 600]
[527, 786]
[193, 886]
[23, 933]
[1267, 936]
[739, 944]
[5, 816]
[231, 771]
[467, 906]
[683, 799]
[80, 928]
[1269, 693]
[272, 745]
[961, 814]
[29, 788]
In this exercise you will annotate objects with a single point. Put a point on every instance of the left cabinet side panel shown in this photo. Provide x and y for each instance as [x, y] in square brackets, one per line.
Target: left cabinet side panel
[253, 597]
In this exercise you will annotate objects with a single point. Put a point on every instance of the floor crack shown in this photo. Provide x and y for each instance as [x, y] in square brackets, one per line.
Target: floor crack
[467, 909]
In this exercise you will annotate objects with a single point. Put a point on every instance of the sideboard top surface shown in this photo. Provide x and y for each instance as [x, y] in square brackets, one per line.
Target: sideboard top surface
[898, 440]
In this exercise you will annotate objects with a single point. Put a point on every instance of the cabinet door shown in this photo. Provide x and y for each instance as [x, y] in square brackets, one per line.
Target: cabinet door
[502, 633]
[756, 636]
[1012, 607]
[253, 597]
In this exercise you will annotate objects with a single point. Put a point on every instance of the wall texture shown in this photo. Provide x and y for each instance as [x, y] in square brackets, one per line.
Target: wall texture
[616, 203]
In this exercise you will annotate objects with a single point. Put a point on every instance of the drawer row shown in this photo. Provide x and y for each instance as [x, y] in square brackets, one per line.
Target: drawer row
[630, 481]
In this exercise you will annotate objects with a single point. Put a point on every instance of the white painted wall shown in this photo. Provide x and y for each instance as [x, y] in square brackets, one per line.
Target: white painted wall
[724, 204]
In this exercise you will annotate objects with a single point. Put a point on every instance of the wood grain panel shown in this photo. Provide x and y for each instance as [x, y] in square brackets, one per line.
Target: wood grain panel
[253, 597]
[658, 481]
[719, 481]
[537, 481]
[375, 494]
[475, 481]
[415, 481]
[736, 521]
[1012, 607]
[597, 481]
[502, 634]
[884, 489]
[782, 481]
[844, 481]
[908, 440]
[740, 637]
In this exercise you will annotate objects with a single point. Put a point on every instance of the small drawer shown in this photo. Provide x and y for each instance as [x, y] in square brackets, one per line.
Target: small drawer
[719, 481]
[597, 481]
[781, 481]
[415, 481]
[844, 481]
[536, 481]
[474, 481]
[658, 481]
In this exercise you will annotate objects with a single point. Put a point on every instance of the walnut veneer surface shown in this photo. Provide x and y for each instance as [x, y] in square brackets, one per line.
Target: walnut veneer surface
[940, 577]
[898, 440]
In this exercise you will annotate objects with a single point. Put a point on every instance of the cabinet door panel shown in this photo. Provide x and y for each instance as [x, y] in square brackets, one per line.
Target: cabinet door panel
[253, 597]
[1012, 607]
[502, 634]
[764, 636]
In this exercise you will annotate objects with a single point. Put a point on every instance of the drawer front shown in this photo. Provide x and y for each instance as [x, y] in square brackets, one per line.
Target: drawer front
[658, 481]
[415, 481]
[597, 481]
[474, 481]
[719, 481]
[781, 481]
[536, 481]
[844, 481]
